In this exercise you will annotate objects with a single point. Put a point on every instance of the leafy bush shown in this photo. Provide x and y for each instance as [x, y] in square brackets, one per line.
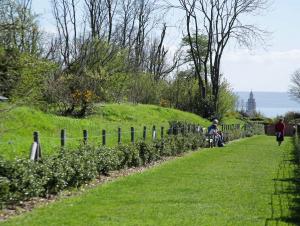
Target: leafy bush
[22, 179]
[129, 156]
[107, 159]
[4, 190]
[148, 152]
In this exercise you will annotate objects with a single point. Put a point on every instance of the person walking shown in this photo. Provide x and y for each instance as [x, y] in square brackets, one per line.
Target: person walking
[279, 131]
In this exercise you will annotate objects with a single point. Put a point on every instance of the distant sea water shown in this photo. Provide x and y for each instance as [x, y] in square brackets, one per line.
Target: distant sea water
[270, 104]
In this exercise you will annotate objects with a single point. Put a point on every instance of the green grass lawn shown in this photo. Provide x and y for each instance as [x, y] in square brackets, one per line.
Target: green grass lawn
[241, 184]
[21, 122]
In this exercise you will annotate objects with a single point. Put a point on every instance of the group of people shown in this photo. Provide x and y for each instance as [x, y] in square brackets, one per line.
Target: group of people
[219, 138]
[216, 133]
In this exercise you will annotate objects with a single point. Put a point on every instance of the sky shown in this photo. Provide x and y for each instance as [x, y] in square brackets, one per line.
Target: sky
[263, 68]
[268, 68]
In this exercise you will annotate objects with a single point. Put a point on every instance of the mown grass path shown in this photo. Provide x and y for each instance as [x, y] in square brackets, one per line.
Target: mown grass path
[234, 185]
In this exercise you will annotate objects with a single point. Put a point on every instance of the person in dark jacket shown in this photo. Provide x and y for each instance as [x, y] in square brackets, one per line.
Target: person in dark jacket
[216, 133]
[279, 131]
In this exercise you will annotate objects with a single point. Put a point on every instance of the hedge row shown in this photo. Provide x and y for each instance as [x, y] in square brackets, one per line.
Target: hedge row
[22, 179]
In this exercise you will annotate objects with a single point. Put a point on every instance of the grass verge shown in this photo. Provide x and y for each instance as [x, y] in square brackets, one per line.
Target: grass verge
[235, 185]
[20, 123]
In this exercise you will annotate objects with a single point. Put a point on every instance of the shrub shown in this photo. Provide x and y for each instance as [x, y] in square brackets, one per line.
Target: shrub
[4, 190]
[107, 159]
[129, 157]
[21, 179]
[147, 152]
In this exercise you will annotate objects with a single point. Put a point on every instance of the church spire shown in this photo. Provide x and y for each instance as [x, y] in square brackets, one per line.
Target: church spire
[251, 105]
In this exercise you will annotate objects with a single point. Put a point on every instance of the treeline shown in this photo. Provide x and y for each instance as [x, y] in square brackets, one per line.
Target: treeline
[108, 51]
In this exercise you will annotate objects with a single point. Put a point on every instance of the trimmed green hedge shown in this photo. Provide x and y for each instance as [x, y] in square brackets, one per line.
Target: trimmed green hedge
[22, 179]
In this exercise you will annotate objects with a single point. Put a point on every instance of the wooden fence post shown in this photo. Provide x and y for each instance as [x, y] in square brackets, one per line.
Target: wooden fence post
[63, 138]
[119, 135]
[36, 138]
[132, 135]
[162, 132]
[154, 133]
[176, 130]
[103, 137]
[172, 130]
[85, 136]
[144, 133]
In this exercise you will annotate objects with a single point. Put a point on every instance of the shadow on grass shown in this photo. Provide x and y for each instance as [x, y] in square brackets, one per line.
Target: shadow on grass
[285, 201]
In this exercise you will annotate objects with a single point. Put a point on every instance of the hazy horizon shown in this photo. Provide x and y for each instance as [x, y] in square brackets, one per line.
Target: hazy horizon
[271, 104]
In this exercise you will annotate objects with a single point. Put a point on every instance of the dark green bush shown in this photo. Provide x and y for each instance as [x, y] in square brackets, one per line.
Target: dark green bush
[129, 157]
[162, 147]
[107, 159]
[147, 152]
[22, 179]
[4, 190]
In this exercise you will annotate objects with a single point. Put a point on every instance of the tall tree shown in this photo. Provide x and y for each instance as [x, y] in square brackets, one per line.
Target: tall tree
[18, 26]
[294, 90]
[127, 19]
[218, 21]
[64, 12]
[158, 59]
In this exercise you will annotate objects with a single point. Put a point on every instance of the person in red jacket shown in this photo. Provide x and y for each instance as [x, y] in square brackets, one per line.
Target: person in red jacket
[279, 131]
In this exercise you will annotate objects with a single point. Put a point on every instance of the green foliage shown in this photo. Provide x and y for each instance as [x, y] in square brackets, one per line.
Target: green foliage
[227, 100]
[17, 126]
[142, 88]
[292, 117]
[228, 186]
[253, 128]
[107, 159]
[19, 27]
[129, 156]
[73, 95]
[147, 152]
[183, 93]
[22, 179]
[196, 45]
[33, 73]
[23, 76]
[9, 70]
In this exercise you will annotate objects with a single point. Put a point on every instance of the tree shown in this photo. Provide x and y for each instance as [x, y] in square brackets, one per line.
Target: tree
[18, 26]
[65, 16]
[157, 63]
[218, 21]
[294, 89]
[227, 99]
[9, 70]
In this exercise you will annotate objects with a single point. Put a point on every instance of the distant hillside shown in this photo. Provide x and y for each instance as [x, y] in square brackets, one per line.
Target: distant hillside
[23, 121]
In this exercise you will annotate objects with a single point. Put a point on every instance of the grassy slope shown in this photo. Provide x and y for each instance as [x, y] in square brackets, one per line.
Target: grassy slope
[226, 186]
[22, 121]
